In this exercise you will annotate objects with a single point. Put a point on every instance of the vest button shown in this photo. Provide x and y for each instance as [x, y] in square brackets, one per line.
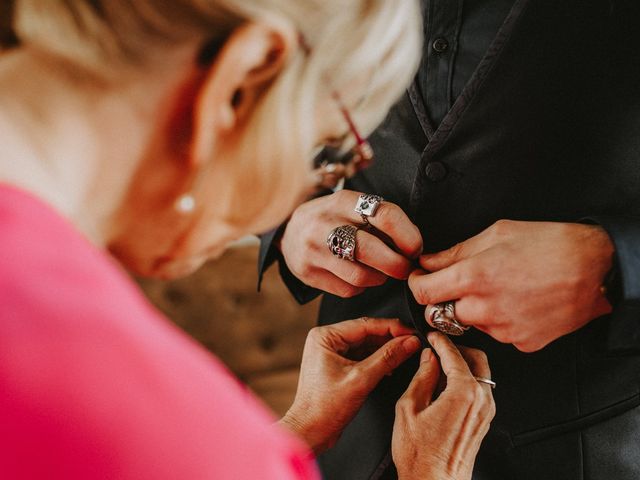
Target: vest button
[440, 45]
[435, 171]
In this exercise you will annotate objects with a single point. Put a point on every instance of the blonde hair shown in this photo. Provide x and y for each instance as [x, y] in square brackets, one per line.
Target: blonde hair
[347, 39]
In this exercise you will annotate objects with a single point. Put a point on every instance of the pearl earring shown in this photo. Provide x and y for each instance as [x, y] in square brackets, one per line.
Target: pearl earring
[185, 203]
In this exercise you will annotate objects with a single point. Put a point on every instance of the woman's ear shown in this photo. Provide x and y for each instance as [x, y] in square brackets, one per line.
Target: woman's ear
[249, 61]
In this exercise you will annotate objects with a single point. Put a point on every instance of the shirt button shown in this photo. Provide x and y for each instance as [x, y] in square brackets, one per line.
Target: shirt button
[440, 45]
[435, 171]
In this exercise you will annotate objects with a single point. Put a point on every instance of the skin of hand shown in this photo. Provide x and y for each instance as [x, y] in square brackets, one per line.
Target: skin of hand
[525, 283]
[341, 364]
[304, 245]
[440, 438]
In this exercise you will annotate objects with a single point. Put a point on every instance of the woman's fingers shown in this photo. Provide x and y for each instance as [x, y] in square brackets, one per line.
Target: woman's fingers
[461, 366]
[332, 386]
[418, 395]
[461, 361]
[449, 430]
[387, 358]
[355, 331]
[347, 336]
[451, 360]
[477, 361]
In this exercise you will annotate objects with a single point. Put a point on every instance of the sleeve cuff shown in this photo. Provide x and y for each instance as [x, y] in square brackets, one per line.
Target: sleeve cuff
[269, 254]
[624, 330]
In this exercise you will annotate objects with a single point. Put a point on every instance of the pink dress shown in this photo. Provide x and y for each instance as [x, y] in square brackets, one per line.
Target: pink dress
[95, 383]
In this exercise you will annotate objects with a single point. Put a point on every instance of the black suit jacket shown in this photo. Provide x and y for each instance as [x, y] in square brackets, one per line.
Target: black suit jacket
[548, 128]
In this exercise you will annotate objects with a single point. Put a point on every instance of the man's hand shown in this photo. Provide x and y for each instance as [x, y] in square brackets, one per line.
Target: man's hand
[304, 245]
[341, 364]
[525, 283]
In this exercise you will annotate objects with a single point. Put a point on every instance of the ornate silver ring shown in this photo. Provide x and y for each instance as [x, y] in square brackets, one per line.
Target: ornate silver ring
[342, 242]
[443, 317]
[367, 205]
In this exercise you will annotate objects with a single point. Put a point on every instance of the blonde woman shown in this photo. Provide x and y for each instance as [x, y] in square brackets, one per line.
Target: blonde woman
[157, 132]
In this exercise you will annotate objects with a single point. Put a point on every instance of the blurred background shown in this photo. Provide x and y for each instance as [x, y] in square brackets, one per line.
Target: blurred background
[259, 336]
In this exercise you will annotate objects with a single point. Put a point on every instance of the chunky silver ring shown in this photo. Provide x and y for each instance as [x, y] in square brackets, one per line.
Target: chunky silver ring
[443, 317]
[342, 242]
[488, 381]
[367, 205]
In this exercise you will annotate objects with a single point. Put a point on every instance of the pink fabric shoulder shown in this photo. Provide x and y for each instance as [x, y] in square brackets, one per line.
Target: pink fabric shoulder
[94, 383]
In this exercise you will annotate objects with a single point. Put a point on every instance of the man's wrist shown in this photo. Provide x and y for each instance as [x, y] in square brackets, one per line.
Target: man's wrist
[611, 286]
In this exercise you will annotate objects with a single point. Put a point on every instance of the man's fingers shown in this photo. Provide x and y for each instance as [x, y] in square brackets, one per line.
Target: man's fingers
[418, 395]
[449, 284]
[439, 260]
[354, 273]
[328, 282]
[372, 251]
[388, 357]
[475, 310]
[390, 219]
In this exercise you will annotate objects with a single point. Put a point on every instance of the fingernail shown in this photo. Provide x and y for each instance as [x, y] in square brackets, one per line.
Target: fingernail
[426, 355]
[431, 336]
[411, 344]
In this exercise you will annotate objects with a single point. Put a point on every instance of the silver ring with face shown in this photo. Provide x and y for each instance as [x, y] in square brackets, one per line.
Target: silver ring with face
[367, 205]
[442, 316]
[342, 242]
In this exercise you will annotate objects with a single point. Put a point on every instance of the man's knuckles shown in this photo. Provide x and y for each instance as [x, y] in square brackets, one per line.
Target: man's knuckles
[418, 285]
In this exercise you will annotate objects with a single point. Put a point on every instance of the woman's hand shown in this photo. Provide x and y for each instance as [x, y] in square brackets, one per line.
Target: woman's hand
[525, 283]
[440, 438]
[341, 364]
[304, 245]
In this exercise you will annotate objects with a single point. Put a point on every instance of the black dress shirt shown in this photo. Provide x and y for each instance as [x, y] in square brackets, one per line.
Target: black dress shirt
[457, 34]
